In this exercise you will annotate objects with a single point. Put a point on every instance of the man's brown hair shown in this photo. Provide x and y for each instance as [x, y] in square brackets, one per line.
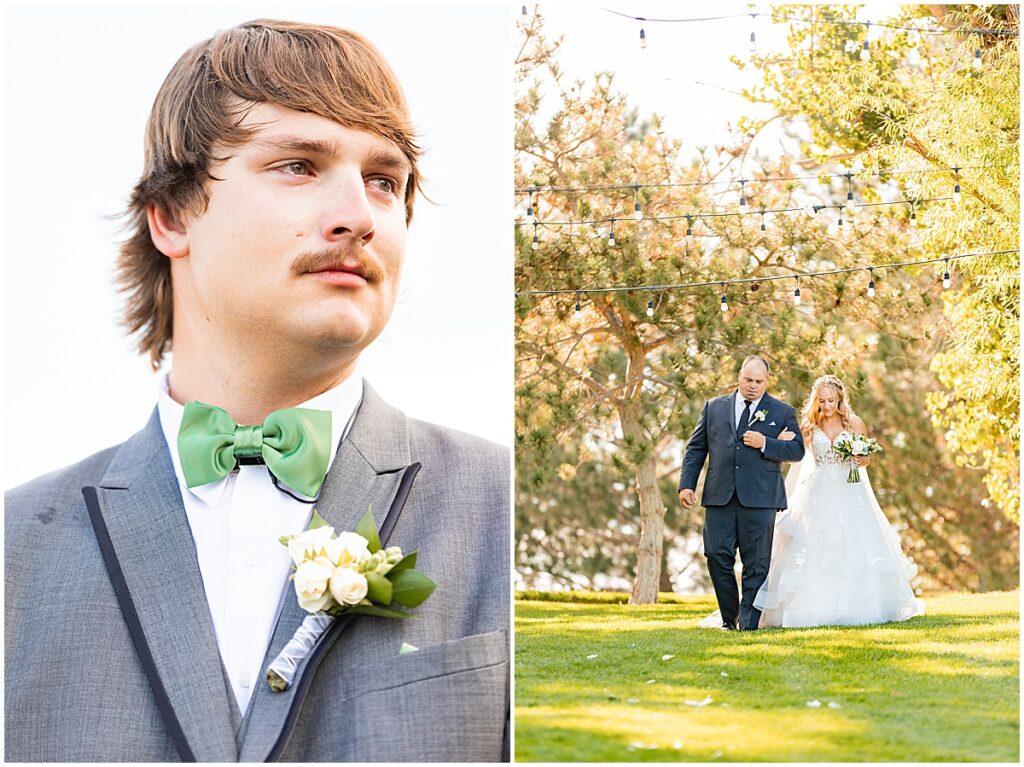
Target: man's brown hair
[327, 71]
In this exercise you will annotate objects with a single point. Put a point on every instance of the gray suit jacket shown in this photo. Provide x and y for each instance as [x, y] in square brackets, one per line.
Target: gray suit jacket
[110, 651]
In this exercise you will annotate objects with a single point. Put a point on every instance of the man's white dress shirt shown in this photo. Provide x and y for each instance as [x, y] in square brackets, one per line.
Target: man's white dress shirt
[236, 523]
[738, 405]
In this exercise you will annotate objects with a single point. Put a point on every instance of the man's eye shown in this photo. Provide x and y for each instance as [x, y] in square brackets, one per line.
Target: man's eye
[296, 168]
[385, 185]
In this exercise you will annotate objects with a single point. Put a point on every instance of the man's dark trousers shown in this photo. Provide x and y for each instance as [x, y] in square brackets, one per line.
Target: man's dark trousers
[726, 529]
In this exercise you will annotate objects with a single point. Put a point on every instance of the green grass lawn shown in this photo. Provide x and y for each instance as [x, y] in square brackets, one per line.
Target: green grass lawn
[594, 682]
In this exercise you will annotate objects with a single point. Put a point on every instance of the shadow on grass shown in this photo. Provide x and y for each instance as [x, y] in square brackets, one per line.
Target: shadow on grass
[936, 688]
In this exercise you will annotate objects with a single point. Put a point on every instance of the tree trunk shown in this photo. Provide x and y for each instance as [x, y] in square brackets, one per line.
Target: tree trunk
[652, 512]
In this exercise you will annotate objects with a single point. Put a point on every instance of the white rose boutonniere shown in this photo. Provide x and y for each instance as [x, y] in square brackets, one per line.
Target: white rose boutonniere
[760, 415]
[342, 574]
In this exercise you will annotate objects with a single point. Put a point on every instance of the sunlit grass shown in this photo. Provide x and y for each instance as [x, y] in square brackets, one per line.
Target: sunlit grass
[942, 687]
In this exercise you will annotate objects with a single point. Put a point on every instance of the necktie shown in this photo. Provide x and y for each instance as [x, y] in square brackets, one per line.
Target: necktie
[744, 418]
[294, 443]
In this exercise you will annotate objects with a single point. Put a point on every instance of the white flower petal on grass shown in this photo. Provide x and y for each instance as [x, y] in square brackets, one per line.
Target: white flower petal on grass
[667, 657]
[649, 681]
[833, 704]
[725, 674]
[814, 704]
[704, 702]
[633, 700]
[592, 656]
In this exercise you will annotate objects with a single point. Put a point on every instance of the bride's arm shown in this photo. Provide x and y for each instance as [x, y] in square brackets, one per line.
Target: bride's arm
[857, 424]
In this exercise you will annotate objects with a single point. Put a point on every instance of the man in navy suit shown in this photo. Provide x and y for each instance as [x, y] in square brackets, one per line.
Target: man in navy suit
[739, 433]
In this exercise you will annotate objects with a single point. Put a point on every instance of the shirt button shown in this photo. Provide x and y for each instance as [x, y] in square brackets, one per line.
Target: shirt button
[251, 558]
[245, 679]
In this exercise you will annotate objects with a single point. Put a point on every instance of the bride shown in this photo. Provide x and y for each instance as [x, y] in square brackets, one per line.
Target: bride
[835, 558]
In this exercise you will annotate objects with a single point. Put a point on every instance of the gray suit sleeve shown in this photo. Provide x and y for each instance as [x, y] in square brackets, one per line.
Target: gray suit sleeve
[696, 452]
[786, 451]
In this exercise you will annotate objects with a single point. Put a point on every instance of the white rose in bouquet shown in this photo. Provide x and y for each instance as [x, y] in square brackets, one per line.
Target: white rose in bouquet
[311, 580]
[348, 549]
[348, 586]
[310, 543]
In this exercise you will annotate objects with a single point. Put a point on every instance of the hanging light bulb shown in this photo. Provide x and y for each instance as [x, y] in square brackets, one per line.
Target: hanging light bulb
[796, 293]
[650, 304]
[643, 38]
[529, 208]
[689, 226]
[871, 283]
[849, 188]
[536, 239]
[524, 9]
[913, 215]
[956, 186]
[865, 50]
[840, 223]
[638, 214]
[611, 234]
[976, 61]
[725, 301]
[946, 282]
[577, 311]
[763, 227]
[743, 196]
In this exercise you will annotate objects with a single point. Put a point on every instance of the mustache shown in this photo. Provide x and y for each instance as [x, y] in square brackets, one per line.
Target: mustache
[339, 259]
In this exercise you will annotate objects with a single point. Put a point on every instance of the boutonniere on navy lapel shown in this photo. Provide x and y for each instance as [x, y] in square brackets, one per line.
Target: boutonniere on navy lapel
[343, 574]
[760, 415]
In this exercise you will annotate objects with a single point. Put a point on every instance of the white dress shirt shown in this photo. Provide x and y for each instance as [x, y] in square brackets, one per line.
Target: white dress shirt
[738, 407]
[236, 523]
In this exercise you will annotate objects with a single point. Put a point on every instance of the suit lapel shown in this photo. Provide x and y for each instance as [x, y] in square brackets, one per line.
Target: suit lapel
[730, 406]
[147, 545]
[367, 472]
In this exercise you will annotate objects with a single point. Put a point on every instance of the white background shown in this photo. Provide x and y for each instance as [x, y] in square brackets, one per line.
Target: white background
[80, 81]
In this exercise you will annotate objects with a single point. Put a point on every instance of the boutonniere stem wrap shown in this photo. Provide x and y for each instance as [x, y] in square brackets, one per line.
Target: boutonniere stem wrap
[344, 574]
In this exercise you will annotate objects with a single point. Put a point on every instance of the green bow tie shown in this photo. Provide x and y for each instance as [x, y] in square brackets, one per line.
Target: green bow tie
[294, 443]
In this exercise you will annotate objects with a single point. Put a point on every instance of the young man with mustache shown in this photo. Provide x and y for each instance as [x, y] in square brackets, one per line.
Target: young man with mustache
[146, 588]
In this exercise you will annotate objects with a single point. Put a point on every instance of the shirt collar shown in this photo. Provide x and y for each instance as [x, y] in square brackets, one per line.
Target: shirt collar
[342, 401]
[753, 406]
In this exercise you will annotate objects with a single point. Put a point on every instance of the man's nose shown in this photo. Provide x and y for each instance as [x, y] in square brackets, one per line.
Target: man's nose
[348, 214]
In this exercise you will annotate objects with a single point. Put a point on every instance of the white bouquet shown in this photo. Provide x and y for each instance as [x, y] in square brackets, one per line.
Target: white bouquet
[849, 446]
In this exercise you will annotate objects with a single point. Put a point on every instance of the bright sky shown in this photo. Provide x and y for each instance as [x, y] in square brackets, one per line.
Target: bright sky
[684, 74]
[79, 84]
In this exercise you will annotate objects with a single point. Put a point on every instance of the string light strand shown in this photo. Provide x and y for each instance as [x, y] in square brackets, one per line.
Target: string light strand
[579, 292]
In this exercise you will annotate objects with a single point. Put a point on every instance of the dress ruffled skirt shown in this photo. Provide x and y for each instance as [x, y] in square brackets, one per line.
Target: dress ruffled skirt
[836, 560]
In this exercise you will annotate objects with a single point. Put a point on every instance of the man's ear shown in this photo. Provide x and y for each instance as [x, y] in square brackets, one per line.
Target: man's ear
[169, 237]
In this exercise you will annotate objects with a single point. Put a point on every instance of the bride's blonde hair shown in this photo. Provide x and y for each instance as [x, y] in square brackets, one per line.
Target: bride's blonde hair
[811, 414]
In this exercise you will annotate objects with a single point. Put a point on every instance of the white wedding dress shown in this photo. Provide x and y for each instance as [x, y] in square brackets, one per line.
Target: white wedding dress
[835, 558]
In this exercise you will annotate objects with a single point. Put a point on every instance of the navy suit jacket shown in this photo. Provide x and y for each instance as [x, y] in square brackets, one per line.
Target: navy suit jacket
[755, 477]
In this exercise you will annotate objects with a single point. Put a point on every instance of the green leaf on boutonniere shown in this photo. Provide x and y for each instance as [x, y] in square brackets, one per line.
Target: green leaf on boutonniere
[380, 612]
[405, 563]
[378, 588]
[411, 587]
[367, 528]
[316, 521]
